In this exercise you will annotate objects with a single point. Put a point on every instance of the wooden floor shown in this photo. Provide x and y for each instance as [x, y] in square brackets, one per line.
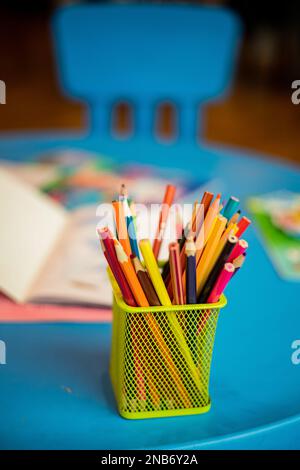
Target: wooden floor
[253, 117]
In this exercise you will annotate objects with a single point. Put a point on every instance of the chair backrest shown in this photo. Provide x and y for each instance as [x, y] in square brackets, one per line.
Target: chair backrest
[145, 54]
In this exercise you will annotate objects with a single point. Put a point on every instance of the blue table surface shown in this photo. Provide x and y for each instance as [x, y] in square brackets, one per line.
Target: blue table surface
[55, 392]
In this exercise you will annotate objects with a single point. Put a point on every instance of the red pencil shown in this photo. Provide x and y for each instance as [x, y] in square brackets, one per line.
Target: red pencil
[242, 225]
[176, 275]
[108, 248]
[167, 202]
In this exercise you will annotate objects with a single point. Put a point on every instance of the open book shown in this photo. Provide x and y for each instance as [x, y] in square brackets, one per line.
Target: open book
[48, 255]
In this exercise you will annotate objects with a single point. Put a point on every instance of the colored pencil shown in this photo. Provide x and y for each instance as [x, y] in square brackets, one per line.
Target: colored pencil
[160, 289]
[242, 225]
[133, 212]
[111, 257]
[201, 213]
[151, 262]
[191, 294]
[135, 331]
[166, 272]
[206, 201]
[234, 219]
[179, 225]
[231, 207]
[145, 281]
[230, 229]
[193, 227]
[190, 252]
[239, 249]
[154, 273]
[214, 273]
[164, 298]
[130, 275]
[209, 249]
[176, 275]
[207, 226]
[203, 223]
[190, 230]
[218, 288]
[221, 282]
[129, 221]
[110, 254]
[238, 262]
[167, 202]
[189, 226]
[121, 226]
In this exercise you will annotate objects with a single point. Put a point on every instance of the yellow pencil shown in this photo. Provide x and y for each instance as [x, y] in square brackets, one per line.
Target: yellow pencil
[230, 230]
[210, 247]
[154, 273]
[159, 286]
[158, 283]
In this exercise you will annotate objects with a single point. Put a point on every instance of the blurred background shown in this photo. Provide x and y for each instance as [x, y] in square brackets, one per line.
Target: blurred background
[259, 114]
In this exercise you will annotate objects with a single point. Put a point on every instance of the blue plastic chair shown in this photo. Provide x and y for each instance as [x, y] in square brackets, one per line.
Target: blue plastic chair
[145, 54]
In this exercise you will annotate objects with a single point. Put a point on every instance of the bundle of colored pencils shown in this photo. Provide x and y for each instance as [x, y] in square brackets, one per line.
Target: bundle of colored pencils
[203, 259]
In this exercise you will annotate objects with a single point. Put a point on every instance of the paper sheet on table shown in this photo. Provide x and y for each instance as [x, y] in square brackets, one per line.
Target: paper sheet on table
[31, 224]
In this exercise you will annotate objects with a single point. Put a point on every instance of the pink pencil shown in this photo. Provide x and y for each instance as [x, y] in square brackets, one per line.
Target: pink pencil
[222, 281]
[238, 250]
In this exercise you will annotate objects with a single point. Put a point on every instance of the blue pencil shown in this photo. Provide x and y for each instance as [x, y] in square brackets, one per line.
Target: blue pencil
[129, 222]
[231, 207]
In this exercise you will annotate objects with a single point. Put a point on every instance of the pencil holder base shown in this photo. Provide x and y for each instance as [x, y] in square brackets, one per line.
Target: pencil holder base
[160, 413]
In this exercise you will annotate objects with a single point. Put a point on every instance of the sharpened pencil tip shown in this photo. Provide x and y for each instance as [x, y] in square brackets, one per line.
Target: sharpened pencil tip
[123, 190]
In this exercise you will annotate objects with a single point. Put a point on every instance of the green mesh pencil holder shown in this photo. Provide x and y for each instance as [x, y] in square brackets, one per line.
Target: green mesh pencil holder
[161, 358]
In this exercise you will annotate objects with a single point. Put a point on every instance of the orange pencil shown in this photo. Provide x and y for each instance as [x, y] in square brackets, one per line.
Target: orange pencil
[206, 200]
[131, 276]
[142, 301]
[197, 230]
[204, 265]
[234, 219]
[167, 202]
[230, 230]
[192, 223]
[121, 226]
[207, 226]
[200, 215]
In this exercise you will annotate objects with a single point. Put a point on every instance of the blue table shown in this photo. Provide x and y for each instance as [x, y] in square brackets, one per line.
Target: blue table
[54, 389]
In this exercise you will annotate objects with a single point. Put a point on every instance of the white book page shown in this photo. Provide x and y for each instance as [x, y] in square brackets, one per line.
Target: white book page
[75, 273]
[31, 224]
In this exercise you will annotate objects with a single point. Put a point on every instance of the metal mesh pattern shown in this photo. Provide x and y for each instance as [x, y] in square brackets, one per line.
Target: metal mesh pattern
[156, 370]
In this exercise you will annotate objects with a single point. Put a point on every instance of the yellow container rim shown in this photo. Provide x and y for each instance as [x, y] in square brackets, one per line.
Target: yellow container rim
[174, 308]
